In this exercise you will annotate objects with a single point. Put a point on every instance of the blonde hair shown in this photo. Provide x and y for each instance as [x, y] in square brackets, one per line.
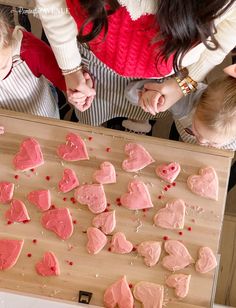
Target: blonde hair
[216, 108]
[5, 28]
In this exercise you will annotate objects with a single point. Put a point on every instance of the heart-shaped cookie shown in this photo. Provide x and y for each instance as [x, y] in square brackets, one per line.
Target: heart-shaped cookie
[178, 258]
[49, 265]
[93, 195]
[59, 221]
[17, 212]
[151, 251]
[96, 240]
[138, 159]
[29, 156]
[69, 181]
[9, 252]
[74, 149]
[205, 184]
[151, 295]
[180, 282]
[106, 174]
[105, 221]
[168, 172]
[138, 196]
[119, 295]
[119, 244]
[207, 260]
[6, 191]
[41, 199]
[171, 216]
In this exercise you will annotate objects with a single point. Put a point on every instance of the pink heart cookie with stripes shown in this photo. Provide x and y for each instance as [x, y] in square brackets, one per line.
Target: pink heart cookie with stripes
[168, 172]
[180, 282]
[17, 212]
[49, 265]
[106, 174]
[105, 221]
[119, 244]
[69, 181]
[10, 252]
[6, 192]
[41, 199]
[207, 260]
[96, 240]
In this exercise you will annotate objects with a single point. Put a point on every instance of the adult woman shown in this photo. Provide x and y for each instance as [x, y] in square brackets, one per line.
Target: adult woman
[124, 37]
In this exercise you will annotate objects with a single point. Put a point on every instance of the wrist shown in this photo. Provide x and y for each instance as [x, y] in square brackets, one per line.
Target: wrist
[187, 85]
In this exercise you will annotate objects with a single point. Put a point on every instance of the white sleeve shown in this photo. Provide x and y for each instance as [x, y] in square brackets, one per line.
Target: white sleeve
[61, 31]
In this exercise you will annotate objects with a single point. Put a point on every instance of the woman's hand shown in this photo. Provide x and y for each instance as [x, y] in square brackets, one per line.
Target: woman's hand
[151, 101]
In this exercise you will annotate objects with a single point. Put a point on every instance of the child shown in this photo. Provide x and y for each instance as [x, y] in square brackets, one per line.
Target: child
[25, 65]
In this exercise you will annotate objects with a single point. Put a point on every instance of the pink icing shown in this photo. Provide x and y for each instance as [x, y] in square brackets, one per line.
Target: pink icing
[41, 199]
[180, 282]
[151, 295]
[106, 174]
[138, 159]
[169, 172]
[151, 251]
[207, 260]
[172, 216]
[119, 244]
[58, 221]
[17, 212]
[49, 265]
[93, 195]
[69, 181]
[119, 295]
[74, 149]
[9, 252]
[29, 156]
[96, 240]
[2, 130]
[6, 192]
[138, 196]
[106, 221]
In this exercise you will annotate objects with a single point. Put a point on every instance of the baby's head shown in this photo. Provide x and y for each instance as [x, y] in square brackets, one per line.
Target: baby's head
[214, 121]
[5, 27]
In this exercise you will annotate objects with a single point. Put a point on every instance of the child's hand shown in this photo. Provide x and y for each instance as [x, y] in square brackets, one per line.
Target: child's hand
[151, 101]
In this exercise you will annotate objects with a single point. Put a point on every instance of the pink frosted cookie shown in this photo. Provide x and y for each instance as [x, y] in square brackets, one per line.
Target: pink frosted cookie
[74, 149]
[172, 216]
[151, 295]
[207, 260]
[96, 240]
[119, 295]
[58, 221]
[178, 258]
[93, 195]
[69, 181]
[9, 252]
[17, 212]
[106, 174]
[180, 282]
[151, 251]
[138, 196]
[49, 265]
[41, 199]
[169, 172]
[205, 184]
[138, 159]
[106, 221]
[29, 156]
[119, 244]
[6, 192]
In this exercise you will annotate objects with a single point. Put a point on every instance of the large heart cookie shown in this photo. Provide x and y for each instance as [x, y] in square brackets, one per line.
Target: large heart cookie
[180, 282]
[106, 221]
[138, 159]
[119, 295]
[178, 258]
[151, 295]
[29, 156]
[93, 195]
[119, 244]
[69, 181]
[59, 221]
[151, 251]
[48, 266]
[169, 172]
[17, 212]
[41, 199]
[96, 240]
[205, 184]
[9, 252]
[6, 191]
[74, 149]
[207, 260]
[138, 196]
[172, 216]
[106, 174]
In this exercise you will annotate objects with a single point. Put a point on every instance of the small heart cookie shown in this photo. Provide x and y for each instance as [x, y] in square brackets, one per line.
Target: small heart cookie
[106, 174]
[69, 181]
[96, 240]
[10, 252]
[48, 266]
[17, 212]
[169, 172]
[207, 260]
[6, 192]
[180, 282]
[106, 221]
[41, 199]
[119, 244]
[151, 295]
[151, 251]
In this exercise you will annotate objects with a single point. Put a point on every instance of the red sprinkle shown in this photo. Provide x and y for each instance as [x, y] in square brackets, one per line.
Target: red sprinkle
[29, 255]
[9, 222]
[119, 203]
[108, 204]
[71, 263]
[109, 249]
[189, 228]
[52, 207]
[108, 150]
[74, 222]
[169, 186]
[90, 138]
[72, 199]
[144, 210]
[174, 184]
[26, 221]
[165, 238]
[16, 176]
[159, 197]
[164, 171]
[32, 170]
[130, 286]
[117, 199]
[47, 178]
[53, 268]
[134, 249]
[172, 168]
[64, 199]
[180, 233]
[34, 241]
[165, 188]
[106, 210]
